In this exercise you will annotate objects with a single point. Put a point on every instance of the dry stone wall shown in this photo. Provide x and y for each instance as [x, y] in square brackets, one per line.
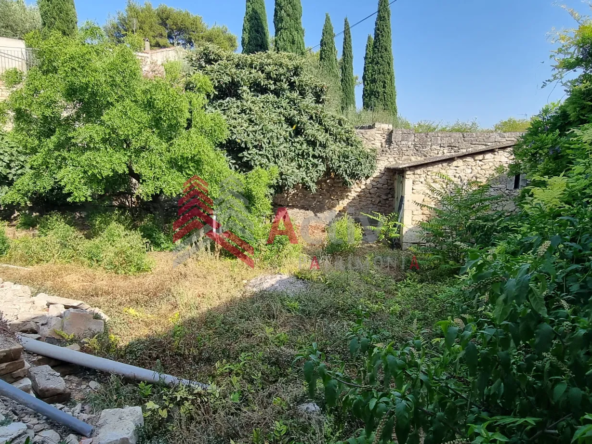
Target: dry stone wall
[376, 193]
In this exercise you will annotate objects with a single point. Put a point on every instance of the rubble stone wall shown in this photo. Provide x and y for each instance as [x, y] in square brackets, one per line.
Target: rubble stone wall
[376, 194]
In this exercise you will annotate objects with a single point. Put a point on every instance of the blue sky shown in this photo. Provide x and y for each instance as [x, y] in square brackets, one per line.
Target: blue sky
[455, 59]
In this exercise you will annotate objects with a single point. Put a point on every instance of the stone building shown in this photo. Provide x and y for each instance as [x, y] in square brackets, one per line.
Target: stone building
[405, 161]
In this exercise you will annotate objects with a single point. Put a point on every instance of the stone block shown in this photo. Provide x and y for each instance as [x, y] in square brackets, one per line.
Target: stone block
[47, 437]
[118, 426]
[56, 310]
[49, 329]
[21, 373]
[67, 303]
[82, 324]
[10, 349]
[9, 367]
[12, 432]
[46, 382]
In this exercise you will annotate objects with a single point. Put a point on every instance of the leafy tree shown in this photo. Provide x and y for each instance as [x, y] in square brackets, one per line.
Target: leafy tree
[59, 15]
[164, 27]
[255, 32]
[348, 83]
[328, 52]
[367, 72]
[17, 19]
[289, 33]
[276, 117]
[381, 95]
[92, 126]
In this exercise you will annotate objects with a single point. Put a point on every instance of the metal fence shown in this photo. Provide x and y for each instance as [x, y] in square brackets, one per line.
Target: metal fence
[20, 58]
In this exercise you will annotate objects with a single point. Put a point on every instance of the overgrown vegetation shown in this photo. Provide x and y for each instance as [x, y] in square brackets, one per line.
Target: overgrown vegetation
[276, 117]
[17, 18]
[514, 362]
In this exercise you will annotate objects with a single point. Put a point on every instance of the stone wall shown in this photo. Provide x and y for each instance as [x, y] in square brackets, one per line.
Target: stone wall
[376, 193]
[478, 167]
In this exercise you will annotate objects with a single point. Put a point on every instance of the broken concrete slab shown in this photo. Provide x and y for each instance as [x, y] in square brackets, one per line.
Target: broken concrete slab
[12, 432]
[47, 437]
[118, 426]
[82, 324]
[46, 382]
[67, 303]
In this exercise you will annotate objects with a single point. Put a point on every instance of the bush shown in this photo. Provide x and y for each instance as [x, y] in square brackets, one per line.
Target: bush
[117, 249]
[4, 242]
[27, 220]
[101, 219]
[344, 235]
[157, 233]
[512, 125]
[388, 229]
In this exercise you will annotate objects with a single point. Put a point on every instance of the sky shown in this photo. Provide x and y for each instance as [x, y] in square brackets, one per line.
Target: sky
[483, 60]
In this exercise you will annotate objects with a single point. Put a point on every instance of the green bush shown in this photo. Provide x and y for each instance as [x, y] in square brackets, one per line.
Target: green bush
[100, 219]
[158, 234]
[388, 229]
[27, 220]
[115, 249]
[512, 125]
[118, 250]
[344, 235]
[4, 242]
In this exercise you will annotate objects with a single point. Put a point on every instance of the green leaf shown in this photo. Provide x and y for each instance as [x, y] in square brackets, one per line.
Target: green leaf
[543, 338]
[574, 397]
[558, 391]
[451, 334]
[538, 302]
[403, 426]
[472, 358]
[310, 377]
[354, 346]
[331, 392]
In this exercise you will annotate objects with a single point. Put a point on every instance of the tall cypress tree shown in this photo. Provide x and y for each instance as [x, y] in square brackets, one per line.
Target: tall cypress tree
[367, 75]
[328, 51]
[289, 33]
[255, 31]
[348, 84]
[382, 95]
[59, 15]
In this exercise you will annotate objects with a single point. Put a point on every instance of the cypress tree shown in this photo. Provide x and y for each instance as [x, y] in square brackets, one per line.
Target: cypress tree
[348, 84]
[59, 15]
[367, 75]
[328, 51]
[289, 33]
[382, 95]
[255, 31]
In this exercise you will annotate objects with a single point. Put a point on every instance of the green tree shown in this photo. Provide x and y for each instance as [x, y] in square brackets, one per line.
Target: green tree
[512, 125]
[164, 27]
[255, 31]
[348, 83]
[381, 94]
[289, 33]
[367, 72]
[17, 19]
[92, 126]
[59, 15]
[276, 115]
[328, 52]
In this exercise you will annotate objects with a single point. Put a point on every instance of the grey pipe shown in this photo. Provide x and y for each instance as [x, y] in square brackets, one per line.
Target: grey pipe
[39, 406]
[105, 365]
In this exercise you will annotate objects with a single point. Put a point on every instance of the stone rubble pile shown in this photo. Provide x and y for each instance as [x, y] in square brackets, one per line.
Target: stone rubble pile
[48, 318]
[46, 315]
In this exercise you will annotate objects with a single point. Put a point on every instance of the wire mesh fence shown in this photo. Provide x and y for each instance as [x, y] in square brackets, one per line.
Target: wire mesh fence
[20, 58]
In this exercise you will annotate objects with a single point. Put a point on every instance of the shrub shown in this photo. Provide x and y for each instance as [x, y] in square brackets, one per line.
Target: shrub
[157, 233]
[4, 242]
[27, 220]
[512, 125]
[117, 249]
[344, 235]
[100, 219]
[388, 229]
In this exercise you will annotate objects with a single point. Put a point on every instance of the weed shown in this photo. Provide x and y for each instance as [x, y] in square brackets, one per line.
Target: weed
[344, 235]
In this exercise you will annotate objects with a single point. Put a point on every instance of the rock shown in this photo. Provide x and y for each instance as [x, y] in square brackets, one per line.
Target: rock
[46, 382]
[309, 407]
[94, 385]
[56, 310]
[31, 336]
[86, 441]
[276, 283]
[44, 360]
[118, 426]
[82, 324]
[23, 372]
[24, 384]
[62, 397]
[2, 418]
[75, 347]
[71, 439]
[47, 437]
[39, 427]
[10, 349]
[49, 328]
[67, 303]
[12, 432]
[23, 326]
[67, 369]
[9, 367]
